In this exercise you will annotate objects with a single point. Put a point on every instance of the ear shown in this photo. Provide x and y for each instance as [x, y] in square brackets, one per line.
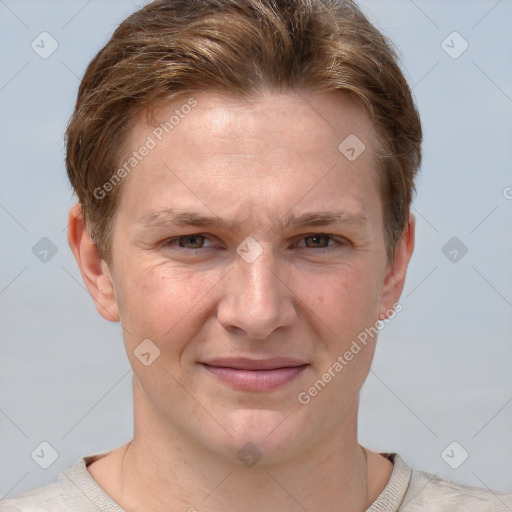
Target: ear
[396, 270]
[94, 270]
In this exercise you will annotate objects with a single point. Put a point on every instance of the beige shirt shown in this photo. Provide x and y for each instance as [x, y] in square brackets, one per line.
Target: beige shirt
[408, 490]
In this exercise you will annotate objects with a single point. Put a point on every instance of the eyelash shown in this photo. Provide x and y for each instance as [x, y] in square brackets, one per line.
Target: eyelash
[338, 244]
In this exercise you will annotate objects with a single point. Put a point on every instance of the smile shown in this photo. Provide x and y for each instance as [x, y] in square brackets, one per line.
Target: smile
[255, 375]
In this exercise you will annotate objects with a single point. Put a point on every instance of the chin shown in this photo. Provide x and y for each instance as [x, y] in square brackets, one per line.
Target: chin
[262, 437]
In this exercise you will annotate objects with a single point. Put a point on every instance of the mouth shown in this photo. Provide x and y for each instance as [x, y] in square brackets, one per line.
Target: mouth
[256, 374]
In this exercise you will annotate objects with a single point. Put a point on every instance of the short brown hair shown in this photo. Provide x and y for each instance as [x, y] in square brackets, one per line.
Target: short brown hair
[171, 47]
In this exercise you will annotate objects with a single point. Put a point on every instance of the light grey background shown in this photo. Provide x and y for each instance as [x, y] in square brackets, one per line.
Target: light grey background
[442, 370]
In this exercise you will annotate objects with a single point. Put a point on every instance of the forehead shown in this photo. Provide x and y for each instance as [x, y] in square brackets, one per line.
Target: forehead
[214, 149]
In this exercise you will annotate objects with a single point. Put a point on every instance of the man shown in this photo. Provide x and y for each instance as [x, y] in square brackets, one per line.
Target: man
[244, 172]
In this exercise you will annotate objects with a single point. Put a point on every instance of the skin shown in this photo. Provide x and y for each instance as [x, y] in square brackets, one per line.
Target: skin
[254, 162]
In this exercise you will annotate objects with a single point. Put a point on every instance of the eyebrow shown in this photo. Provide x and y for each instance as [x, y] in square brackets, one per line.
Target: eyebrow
[185, 218]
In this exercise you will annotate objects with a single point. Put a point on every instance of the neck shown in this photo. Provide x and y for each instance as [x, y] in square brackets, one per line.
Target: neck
[162, 469]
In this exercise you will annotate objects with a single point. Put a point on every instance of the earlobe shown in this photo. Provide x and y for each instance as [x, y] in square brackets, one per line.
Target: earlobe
[396, 270]
[94, 270]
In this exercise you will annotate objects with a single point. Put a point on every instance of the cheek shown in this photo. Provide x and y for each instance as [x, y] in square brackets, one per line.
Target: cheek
[163, 303]
[345, 299]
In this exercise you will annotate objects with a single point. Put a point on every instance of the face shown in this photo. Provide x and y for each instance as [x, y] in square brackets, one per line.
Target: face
[249, 249]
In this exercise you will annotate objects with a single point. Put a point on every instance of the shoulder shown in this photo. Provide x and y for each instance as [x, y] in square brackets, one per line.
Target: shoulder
[428, 492]
[41, 499]
[74, 491]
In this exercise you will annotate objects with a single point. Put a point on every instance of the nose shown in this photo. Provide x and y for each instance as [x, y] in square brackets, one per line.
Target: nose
[258, 297]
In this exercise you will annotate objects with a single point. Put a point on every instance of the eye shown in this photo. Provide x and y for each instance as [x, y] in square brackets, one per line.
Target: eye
[322, 241]
[191, 242]
[317, 240]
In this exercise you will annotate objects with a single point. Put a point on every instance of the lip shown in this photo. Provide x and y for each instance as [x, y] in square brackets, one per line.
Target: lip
[256, 374]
